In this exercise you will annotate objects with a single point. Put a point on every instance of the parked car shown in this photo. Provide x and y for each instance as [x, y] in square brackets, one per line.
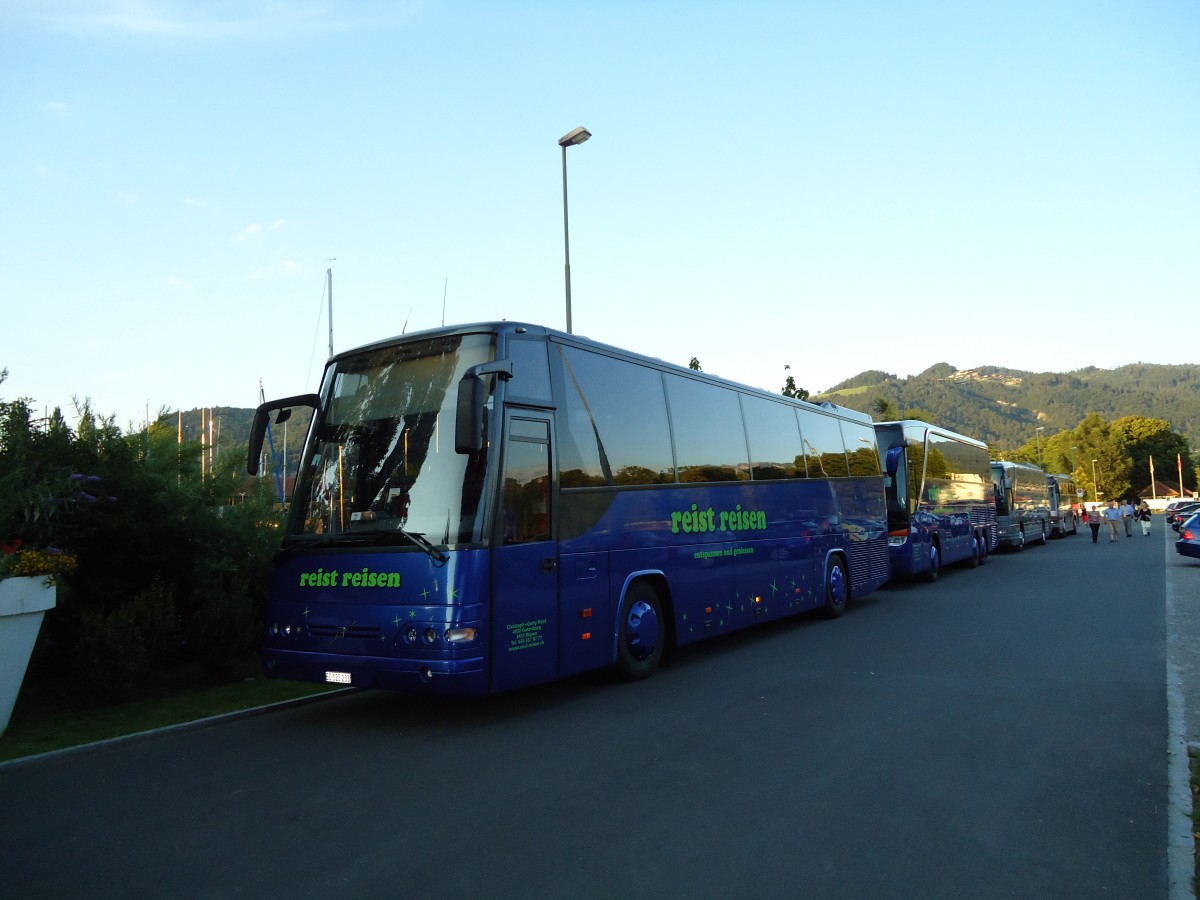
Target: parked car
[1189, 538]
[1176, 516]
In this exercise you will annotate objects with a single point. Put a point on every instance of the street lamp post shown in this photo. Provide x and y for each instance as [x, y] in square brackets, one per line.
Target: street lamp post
[570, 139]
[1038, 432]
[1095, 484]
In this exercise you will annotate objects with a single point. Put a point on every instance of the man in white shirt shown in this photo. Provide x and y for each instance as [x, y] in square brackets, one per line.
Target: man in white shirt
[1112, 516]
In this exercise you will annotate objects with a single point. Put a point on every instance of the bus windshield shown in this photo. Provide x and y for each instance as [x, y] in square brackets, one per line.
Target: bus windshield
[380, 463]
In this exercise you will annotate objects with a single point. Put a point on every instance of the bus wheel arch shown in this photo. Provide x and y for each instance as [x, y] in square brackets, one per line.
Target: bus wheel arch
[644, 632]
[837, 586]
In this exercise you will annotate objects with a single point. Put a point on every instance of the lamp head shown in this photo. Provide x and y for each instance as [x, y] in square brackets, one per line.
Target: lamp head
[577, 136]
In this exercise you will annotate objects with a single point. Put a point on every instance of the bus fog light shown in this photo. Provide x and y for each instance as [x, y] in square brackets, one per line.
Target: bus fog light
[287, 630]
[430, 636]
[459, 635]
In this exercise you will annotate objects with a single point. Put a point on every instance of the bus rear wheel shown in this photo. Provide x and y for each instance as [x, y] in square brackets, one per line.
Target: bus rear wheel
[976, 557]
[837, 588]
[641, 633]
[935, 563]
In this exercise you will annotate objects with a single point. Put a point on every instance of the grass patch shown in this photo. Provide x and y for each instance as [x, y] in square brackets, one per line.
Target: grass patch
[1194, 768]
[48, 719]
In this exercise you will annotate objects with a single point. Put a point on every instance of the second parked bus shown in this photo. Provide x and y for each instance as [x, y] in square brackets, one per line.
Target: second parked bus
[939, 491]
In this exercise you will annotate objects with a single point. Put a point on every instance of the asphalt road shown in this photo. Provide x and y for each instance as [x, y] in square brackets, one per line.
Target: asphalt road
[1004, 733]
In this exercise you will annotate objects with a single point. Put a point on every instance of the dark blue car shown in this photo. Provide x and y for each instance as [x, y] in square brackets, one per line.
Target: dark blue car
[1189, 537]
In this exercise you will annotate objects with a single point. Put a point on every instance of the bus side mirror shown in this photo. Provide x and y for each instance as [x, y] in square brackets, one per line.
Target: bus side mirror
[472, 398]
[262, 418]
[894, 455]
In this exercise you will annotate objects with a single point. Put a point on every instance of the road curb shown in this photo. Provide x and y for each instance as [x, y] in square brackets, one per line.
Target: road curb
[1181, 840]
[193, 725]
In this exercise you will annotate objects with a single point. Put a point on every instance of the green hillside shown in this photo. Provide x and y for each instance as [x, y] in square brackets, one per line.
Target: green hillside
[1005, 406]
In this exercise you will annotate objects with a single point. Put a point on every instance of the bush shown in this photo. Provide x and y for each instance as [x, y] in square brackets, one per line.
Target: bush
[119, 651]
[168, 573]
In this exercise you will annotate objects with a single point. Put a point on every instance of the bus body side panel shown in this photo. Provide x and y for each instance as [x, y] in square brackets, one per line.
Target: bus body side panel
[585, 612]
[378, 619]
[732, 554]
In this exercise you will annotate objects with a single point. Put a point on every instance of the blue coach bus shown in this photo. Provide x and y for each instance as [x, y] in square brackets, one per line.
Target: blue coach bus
[940, 501]
[489, 506]
[1022, 503]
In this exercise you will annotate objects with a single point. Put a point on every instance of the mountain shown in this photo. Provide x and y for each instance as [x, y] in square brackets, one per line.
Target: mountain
[1006, 406]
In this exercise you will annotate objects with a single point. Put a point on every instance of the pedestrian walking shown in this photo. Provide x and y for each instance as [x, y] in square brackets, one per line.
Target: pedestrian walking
[1143, 515]
[1094, 520]
[1112, 516]
[1128, 513]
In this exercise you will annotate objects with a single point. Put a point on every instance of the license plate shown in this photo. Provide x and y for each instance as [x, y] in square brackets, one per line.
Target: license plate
[337, 678]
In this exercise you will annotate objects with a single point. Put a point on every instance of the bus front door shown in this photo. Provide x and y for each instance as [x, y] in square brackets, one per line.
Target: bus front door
[524, 642]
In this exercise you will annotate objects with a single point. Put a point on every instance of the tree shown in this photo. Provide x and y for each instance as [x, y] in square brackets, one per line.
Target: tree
[790, 389]
[694, 365]
[1102, 449]
[1152, 439]
[885, 410]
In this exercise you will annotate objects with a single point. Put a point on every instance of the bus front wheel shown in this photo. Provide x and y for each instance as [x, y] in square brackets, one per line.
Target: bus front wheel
[837, 587]
[641, 633]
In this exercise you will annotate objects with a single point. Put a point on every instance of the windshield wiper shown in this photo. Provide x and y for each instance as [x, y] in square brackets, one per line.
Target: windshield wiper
[421, 541]
[389, 528]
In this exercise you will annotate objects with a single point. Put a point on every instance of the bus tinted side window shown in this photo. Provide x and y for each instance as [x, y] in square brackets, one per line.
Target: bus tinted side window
[823, 446]
[613, 423]
[861, 453]
[775, 447]
[710, 442]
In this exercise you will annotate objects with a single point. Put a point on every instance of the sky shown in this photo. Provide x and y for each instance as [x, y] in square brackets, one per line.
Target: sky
[831, 186]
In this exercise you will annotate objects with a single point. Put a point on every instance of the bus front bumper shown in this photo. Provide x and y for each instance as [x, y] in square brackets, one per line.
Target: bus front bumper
[464, 676]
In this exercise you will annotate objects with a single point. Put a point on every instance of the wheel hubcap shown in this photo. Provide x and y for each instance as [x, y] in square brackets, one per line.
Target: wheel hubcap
[642, 629]
[837, 586]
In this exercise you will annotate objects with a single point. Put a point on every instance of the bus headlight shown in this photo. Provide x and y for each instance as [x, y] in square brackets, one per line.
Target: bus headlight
[459, 635]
